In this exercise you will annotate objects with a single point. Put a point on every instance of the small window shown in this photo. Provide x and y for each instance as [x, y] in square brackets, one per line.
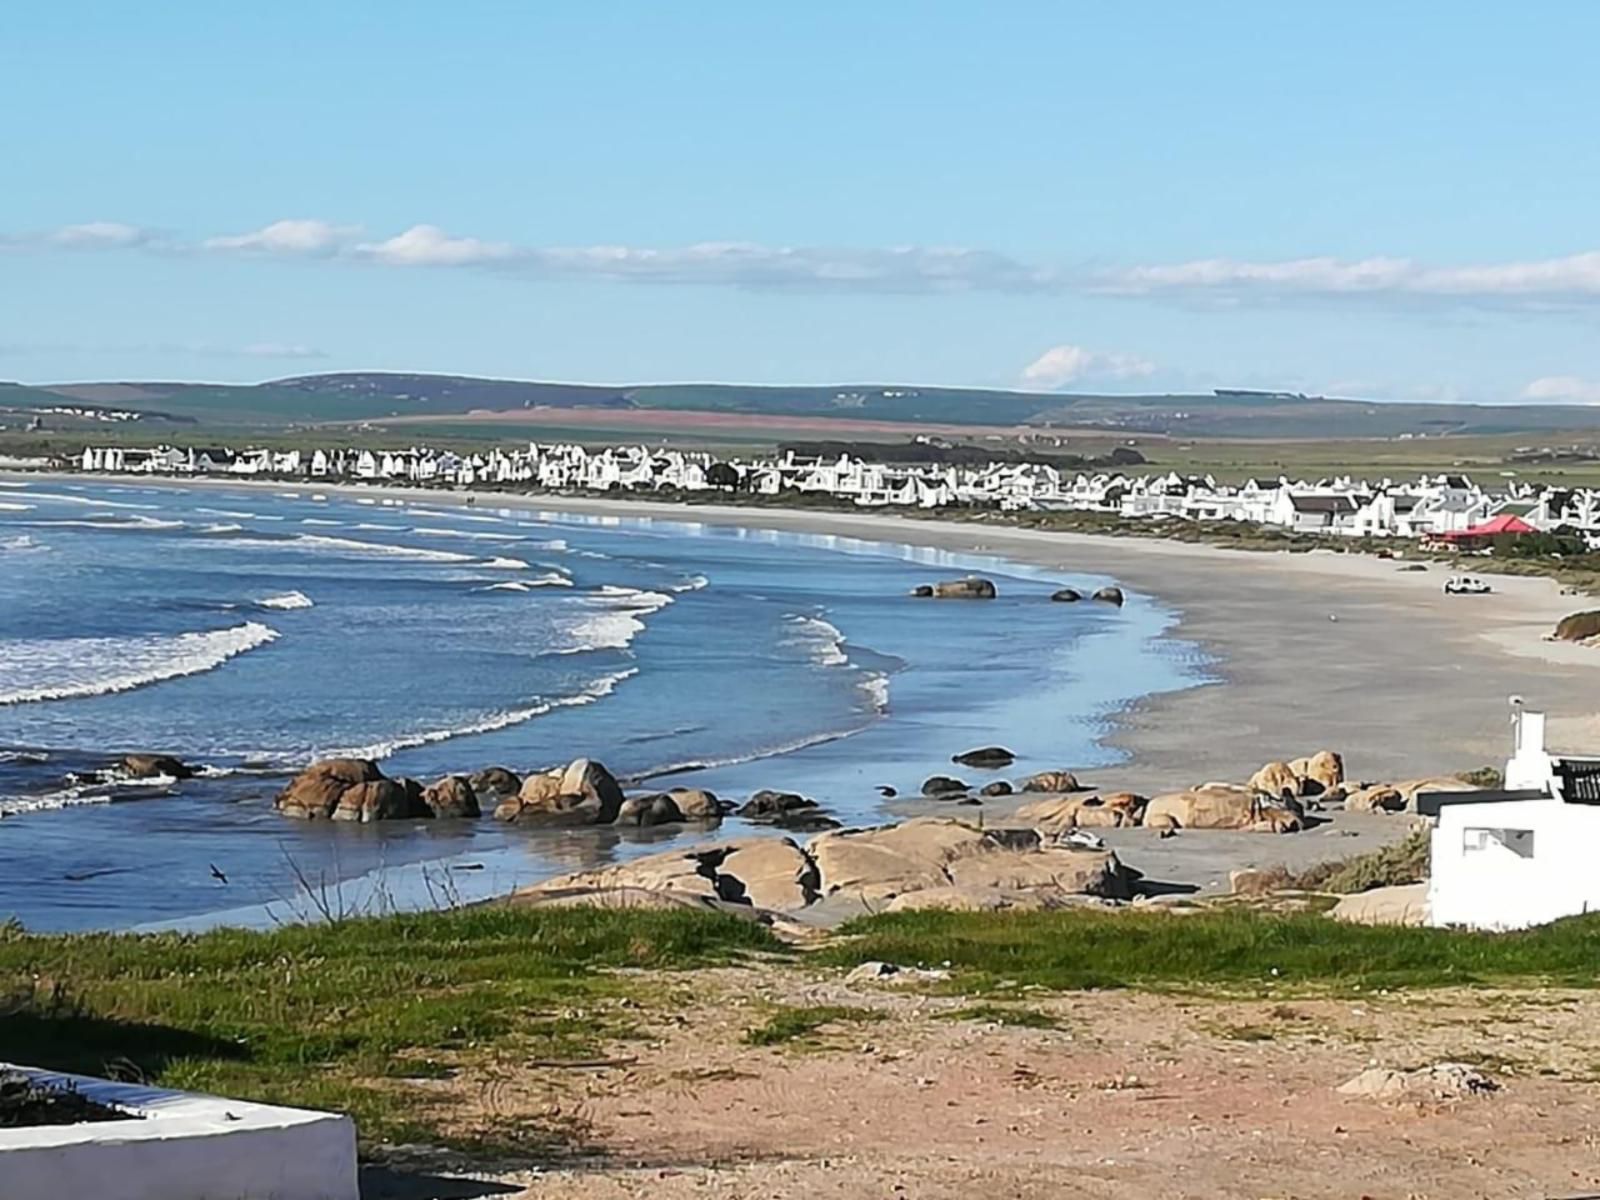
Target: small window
[1518, 841]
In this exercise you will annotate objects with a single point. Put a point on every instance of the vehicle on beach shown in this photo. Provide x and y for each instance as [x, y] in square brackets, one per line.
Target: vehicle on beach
[1465, 585]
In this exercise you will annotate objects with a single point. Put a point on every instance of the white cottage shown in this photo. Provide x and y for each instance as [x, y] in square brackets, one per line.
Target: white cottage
[1522, 856]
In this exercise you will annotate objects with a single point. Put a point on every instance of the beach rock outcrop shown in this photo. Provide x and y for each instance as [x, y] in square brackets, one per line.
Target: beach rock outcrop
[1578, 626]
[1320, 773]
[452, 796]
[352, 789]
[1052, 781]
[1112, 811]
[1409, 789]
[987, 758]
[1066, 595]
[998, 788]
[1380, 797]
[495, 781]
[1220, 806]
[1400, 904]
[581, 793]
[1276, 779]
[658, 808]
[973, 587]
[153, 766]
[763, 873]
[786, 810]
[940, 786]
[1109, 595]
[697, 804]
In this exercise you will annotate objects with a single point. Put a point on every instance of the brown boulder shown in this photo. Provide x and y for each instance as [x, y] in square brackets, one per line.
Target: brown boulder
[1074, 872]
[1410, 788]
[582, 793]
[1219, 806]
[942, 785]
[1109, 595]
[452, 796]
[767, 873]
[381, 800]
[1276, 779]
[1115, 810]
[1578, 626]
[970, 588]
[1052, 781]
[1320, 773]
[1380, 797]
[317, 791]
[153, 766]
[697, 804]
[878, 863]
[657, 809]
[495, 781]
[1066, 595]
[987, 758]
[998, 788]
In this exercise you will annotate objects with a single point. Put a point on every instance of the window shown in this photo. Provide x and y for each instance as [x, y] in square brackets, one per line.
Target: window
[1518, 841]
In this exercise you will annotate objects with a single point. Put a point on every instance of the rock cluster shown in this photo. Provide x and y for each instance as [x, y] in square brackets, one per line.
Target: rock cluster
[355, 789]
[929, 862]
[973, 587]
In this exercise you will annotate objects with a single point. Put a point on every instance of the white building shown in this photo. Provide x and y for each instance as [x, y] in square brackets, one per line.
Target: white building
[1523, 856]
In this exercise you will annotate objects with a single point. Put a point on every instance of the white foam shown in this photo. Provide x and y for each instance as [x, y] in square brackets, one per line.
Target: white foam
[876, 685]
[7, 506]
[506, 564]
[318, 541]
[691, 583]
[230, 513]
[288, 600]
[108, 521]
[222, 527]
[527, 585]
[480, 535]
[822, 641]
[21, 544]
[597, 690]
[68, 668]
[618, 622]
[319, 521]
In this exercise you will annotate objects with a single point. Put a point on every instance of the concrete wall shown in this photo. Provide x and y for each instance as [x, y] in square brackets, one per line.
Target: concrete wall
[187, 1147]
[1513, 864]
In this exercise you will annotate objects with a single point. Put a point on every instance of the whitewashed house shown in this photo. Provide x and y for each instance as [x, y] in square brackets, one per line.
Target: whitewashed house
[1522, 856]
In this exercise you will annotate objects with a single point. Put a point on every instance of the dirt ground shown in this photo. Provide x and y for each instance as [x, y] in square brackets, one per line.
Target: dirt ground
[1130, 1095]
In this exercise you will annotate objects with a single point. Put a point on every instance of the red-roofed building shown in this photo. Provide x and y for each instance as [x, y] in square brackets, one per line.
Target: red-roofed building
[1478, 537]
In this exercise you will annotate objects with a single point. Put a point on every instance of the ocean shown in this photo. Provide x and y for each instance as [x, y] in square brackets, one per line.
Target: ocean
[250, 630]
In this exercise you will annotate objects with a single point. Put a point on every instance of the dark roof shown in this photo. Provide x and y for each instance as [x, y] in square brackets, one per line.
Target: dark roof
[1323, 504]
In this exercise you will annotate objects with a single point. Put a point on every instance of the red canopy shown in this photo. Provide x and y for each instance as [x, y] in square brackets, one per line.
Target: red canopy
[1504, 523]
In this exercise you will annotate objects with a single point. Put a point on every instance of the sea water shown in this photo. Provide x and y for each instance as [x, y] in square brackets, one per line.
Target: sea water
[250, 630]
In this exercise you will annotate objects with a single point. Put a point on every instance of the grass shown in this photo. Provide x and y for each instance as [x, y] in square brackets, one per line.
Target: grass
[804, 1022]
[337, 1016]
[1405, 861]
[1228, 949]
[1003, 1014]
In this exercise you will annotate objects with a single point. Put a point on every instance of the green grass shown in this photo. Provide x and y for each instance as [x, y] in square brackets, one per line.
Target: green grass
[804, 1022]
[1227, 949]
[1003, 1014]
[335, 1016]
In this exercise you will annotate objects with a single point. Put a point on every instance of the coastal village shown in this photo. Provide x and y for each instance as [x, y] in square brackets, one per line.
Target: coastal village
[1448, 506]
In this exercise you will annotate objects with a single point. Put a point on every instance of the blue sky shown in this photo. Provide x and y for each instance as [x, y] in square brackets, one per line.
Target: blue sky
[1395, 200]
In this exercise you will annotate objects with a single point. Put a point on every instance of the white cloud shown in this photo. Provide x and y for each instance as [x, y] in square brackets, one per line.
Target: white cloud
[1553, 280]
[292, 237]
[1061, 365]
[430, 246]
[1562, 389]
[99, 235]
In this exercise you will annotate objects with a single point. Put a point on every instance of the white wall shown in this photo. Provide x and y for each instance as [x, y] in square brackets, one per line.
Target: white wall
[1495, 887]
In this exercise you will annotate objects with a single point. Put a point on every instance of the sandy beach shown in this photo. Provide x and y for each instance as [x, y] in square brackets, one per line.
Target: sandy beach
[1312, 650]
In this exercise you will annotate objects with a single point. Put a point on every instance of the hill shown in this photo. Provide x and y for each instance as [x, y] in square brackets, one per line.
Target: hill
[386, 396]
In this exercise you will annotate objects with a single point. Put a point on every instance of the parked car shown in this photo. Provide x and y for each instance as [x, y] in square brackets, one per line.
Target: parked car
[1465, 585]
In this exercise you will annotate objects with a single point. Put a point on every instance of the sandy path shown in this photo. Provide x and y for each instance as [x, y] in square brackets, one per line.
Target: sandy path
[1179, 1096]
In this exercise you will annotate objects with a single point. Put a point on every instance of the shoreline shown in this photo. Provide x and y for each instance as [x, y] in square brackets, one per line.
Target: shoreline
[1307, 651]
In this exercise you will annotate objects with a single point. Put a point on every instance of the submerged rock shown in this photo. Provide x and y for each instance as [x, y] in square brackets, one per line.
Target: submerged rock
[987, 758]
[971, 588]
[1066, 595]
[452, 796]
[316, 793]
[1110, 595]
[786, 810]
[153, 766]
[998, 788]
[940, 786]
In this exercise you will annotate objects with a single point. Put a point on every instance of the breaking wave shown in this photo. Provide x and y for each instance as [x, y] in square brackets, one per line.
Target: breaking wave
[287, 601]
[598, 690]
[617, 622]
[70, 668]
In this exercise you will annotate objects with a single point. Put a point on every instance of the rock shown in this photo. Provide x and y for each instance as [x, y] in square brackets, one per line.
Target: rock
[923, 591]
[1402, 904]
[764, 873]
[1052, 781]
[1114, 810]
[317, 791]
[582, 793]
[786, 810]
[1255, 882]
[989, 758]
[887, 792]
[1320, 773]
[1379, 797]
[998, 788]
[153, 766]
[697, 804]
[970, 588]
[1441, 1081]
[876, 864]
[656, 809]
[1277, 780]
[942, 785]
[495, 781]
[1578, 627]
[1110, 595]
[1074, 872]
[452, 796]
[382, 800]
[1219, 806]
[1066, 596]
[1410, 788]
